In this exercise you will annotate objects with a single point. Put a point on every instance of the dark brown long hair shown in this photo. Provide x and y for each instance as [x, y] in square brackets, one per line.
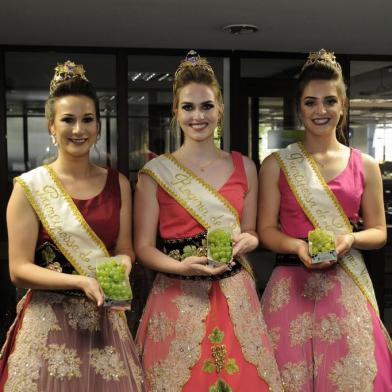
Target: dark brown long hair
[325, 70]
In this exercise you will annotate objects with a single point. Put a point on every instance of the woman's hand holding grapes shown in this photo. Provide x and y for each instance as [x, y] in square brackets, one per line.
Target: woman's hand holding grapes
[244, 243]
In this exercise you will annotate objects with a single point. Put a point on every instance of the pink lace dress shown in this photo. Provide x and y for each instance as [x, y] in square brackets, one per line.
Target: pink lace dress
[197, 334]
[326, 335]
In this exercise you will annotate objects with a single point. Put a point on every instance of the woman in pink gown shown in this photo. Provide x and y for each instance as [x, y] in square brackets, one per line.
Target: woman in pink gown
[202, 328]
[63, 339]
[321, 318]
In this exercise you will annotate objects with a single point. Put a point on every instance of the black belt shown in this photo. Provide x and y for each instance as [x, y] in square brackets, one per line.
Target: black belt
[288, 260]
[72, 293]
[174, 248]
[50, 257]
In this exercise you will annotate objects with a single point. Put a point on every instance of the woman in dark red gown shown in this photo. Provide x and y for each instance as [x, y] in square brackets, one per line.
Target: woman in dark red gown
[63, 339]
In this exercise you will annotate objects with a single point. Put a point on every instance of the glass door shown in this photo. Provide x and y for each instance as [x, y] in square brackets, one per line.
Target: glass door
[268, 86]
[272, 122]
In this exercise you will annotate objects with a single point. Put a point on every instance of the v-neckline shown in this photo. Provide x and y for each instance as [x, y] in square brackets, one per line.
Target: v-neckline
[343, 171]
[337, 175]
[185, 168]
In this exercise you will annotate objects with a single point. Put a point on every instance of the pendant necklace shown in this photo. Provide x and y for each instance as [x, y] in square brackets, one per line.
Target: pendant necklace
[204, 165]
[322, 165]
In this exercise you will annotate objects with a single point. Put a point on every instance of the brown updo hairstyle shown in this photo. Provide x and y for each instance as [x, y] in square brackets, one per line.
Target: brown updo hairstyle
[195, 69]
[75, 86]
[325, 68]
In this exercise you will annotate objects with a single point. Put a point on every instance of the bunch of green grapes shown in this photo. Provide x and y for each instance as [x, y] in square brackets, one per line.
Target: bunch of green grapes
[189, 250]
[113, 280]
[219, 245]
[322, 241]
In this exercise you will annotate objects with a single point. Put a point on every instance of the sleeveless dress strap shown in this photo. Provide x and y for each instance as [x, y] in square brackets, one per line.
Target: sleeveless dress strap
[239, 169]
[113, 185]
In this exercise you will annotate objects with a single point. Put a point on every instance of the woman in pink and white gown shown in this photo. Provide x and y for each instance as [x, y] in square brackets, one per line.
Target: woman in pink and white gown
[323, 324]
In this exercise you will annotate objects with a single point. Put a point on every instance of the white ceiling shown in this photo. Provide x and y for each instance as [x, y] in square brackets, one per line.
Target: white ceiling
[348, 26]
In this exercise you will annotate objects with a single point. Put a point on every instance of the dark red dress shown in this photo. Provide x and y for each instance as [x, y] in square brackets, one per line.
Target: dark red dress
[60, 341]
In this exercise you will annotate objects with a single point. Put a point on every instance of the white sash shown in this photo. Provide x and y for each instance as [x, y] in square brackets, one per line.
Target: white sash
[323, 209]
[190, 192]
[62, 220]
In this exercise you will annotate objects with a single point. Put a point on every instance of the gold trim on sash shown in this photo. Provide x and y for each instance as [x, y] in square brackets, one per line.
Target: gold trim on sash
[76, 211]
[310, 188]
[81, 248]
[208, 186]
[191, 211]
[161, 170]
[327, 189]
[293, 161]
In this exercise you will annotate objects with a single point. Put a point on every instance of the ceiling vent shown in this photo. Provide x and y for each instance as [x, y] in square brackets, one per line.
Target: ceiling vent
[240, 29]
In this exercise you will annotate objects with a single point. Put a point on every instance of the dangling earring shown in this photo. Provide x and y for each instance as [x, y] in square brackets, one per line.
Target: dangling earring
[54, 141]
[99, 130]
[97, 140]
[300, 123]
[219, 129]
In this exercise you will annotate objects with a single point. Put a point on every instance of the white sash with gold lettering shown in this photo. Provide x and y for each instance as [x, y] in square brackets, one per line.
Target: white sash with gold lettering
[323, 209]
[190, 191]
[62, 220]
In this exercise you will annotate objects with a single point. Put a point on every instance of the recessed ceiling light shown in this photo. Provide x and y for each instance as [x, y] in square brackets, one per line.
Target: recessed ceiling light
[241, 28]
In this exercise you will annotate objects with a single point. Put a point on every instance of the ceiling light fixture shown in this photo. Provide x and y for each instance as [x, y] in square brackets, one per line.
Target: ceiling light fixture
[136, 76]
[150, 76]
[163, 77]
[240, 29]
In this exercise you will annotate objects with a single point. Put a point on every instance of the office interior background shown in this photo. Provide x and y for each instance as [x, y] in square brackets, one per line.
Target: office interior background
[131, 50]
